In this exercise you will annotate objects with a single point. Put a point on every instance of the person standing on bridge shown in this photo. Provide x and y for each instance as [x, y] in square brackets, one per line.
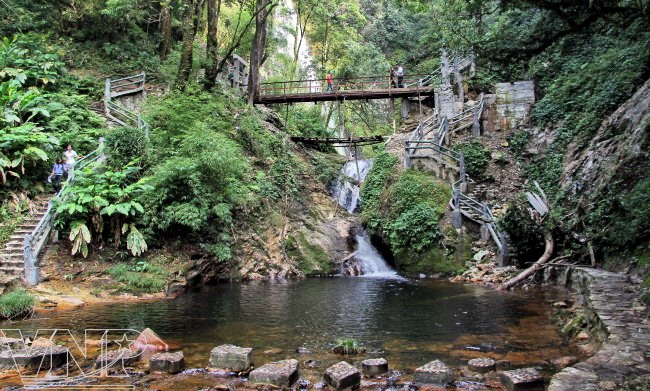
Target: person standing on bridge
[393, 81]
[330, 82]
[400, 76]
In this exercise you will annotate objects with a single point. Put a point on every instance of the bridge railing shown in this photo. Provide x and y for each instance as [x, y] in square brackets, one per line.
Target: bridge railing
[348, 84]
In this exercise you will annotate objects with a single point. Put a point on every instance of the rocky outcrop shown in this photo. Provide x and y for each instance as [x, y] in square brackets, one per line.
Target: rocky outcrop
[620, 322]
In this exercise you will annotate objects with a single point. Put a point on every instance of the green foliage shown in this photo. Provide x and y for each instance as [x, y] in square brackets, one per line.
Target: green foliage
[15, 303]
[99, 196]
[526, 236]
[477, 157]
[404, 209]
[126, 145]
[140, 276]
[518, 141]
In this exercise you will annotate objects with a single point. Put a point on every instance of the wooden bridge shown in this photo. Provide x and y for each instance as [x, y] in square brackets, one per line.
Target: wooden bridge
[338, 142]
[359, 88]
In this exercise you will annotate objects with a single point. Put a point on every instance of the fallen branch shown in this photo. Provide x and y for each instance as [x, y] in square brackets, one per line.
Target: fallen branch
[548, 250]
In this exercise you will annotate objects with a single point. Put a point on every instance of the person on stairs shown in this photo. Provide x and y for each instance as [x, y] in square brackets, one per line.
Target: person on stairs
[57, 175]
[400, 76]
[330, 82]
[70, 160]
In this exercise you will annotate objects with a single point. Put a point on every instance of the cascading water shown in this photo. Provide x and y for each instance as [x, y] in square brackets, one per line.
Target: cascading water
[366, 260]
[346, 189]
[372, 263]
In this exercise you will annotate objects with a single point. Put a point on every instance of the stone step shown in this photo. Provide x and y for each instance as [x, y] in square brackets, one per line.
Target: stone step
[12, 251]
[18, 264]
[11, 270]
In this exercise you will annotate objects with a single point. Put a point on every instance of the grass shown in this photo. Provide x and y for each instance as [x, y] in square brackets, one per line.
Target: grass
[15, 303]
[347, 346]
[139, 277]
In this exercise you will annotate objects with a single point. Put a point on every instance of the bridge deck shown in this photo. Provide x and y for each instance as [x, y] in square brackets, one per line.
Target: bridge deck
[346, 95]
[338, 141]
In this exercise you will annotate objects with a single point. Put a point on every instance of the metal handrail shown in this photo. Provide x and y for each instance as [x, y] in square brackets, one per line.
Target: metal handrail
[365, 83]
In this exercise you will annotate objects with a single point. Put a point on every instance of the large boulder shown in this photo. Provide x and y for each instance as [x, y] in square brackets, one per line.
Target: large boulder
[342, 375]
[280, 373]
[231, 357]
[434, 373]
[36, 357]
[482, 365]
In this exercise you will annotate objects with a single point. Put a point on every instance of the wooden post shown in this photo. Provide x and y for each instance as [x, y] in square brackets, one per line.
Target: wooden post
[407, 153]
[107, 95]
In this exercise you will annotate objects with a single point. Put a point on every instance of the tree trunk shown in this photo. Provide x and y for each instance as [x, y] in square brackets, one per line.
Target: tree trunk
[166, 28]
[185, 63]
[257, 50]
[212, 69]
[548, 251]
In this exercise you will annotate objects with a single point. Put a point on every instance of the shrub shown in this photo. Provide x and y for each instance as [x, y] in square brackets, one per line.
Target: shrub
[15, 303]
[477, 158]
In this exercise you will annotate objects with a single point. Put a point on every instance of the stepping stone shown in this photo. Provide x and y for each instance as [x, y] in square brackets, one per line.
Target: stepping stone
[435, 373]
[122, 358]
[482, 365]
[280, 373]
[167, 362]
[374, 366]
[522, 379]
[231, 357]
[35, 357]
[342, 375]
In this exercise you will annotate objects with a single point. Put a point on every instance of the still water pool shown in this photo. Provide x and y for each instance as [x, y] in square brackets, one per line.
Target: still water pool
[407, 322]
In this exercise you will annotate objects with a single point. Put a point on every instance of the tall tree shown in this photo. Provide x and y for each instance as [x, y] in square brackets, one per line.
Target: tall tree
[212, 70]
[166, 27]
[185, 63]
[264, 8]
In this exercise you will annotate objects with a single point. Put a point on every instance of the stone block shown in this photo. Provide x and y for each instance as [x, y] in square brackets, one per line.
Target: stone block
[482, 365]
[342, 375]
[231, 357]
[280, 373]
[167, 362]
[374, 366]
[435, 373]
[36, 357]
[527, 379]
[117, 358]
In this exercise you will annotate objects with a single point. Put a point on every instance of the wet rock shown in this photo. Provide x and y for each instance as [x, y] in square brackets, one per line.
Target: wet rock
[303, 384]
[231, 357]
[374, 366]
[342, 375]
[503, 365]
[560, 304]
[482, 365]
[280, 373]
[13, 343]
[167, 362]
[35, 357]
[117, 358]
[522, 379]
[303, 350]
[435, 373]
[311, 363]
[564, 362]
[319, 385]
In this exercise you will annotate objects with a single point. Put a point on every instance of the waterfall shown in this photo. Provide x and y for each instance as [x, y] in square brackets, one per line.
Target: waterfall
[372, 263]
[347, 185]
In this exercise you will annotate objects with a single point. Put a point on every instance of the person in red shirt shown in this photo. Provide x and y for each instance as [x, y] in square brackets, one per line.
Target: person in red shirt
[330, 82]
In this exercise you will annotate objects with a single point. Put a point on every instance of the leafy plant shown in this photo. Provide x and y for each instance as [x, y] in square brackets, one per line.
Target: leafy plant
[476, 156]
[347, 346]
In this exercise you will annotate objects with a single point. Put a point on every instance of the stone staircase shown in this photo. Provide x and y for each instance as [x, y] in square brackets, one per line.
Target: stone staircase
[12, 257]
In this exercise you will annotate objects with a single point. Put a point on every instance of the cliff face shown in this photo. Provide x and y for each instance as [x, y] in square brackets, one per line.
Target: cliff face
[604, 181]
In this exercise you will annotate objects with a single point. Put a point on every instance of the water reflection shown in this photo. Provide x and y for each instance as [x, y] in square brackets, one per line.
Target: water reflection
[409, 322]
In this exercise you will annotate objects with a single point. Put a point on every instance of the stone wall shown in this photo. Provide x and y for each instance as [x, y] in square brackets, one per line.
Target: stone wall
[619, 320]
[509, 107]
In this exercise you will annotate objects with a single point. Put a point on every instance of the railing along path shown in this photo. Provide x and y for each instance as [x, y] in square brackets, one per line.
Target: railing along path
[34, 241]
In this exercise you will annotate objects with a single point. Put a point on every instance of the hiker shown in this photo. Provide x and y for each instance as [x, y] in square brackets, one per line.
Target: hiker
[231, 75]
[393, 80]
[57, 175]
[330, 82]
[70, 160]
[400, 76]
